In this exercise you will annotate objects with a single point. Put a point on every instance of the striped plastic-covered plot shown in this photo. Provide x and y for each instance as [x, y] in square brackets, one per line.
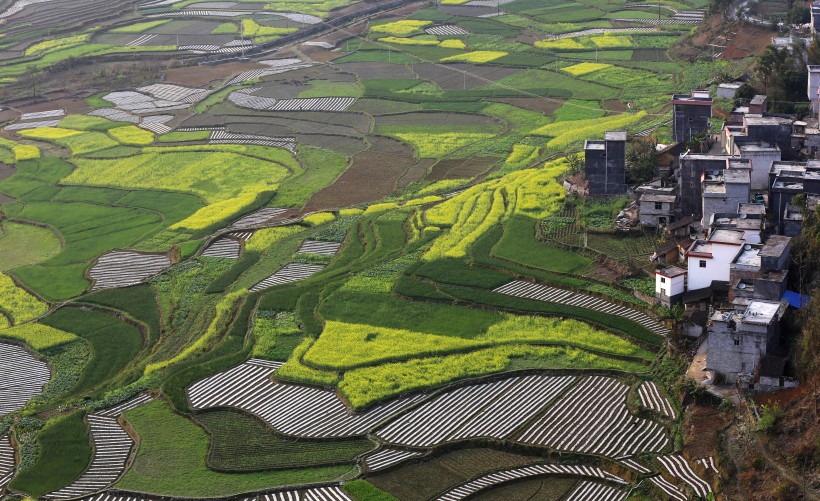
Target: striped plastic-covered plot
[205, 13]
[33, 125]
[669, 489]
[385, 458]
[634, 465]
[142, 398]
[245, 100]
[319, 247]
[313, 104]
[37, 115]
[123, 268]
[487, 3]
[291, 272]
[528, 290]
[18, 6]
[141, 40]
[223, 137]
[595, 491]
[651, 398]
[492, 409]
[708, 463]
[155, 127]
[6, 461]
[112, 446]
[679, 468]
[594, 419]
[488, 481]
[257, 218]
[291, 409]
[171, 92]
[22, 377]
[447, 29]
[225, 247]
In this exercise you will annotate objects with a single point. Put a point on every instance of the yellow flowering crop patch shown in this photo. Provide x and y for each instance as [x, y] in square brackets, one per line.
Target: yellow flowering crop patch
[434, 145]
[38, 336]
[409, 41]
[17, 303]
[132, 135]
[579, 69]
[219, 211]
[612, 41]
[57, 43]
[319, 218]
[49, 133]
[477, 56]
[563, 43]
[453, 43]
[20, 151]
[586, 129]
[400, 28]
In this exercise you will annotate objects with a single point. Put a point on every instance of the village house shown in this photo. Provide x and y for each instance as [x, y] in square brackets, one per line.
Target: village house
[691, 114]
[605, 164]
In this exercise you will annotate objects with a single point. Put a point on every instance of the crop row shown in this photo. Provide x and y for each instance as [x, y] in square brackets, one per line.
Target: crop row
[24, 378]
[124, 268]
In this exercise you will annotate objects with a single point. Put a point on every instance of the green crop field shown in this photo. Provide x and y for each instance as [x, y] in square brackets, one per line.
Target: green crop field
[338, 226]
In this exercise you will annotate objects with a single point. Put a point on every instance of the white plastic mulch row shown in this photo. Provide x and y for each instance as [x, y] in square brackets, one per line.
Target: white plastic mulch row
[679, 468]
[42, 114]
[115, 115]
[319, 247]
[593, 418]
[595, 491]
[652, 398]
[112, 446]
[142, 398]
[155, 127]
[527, 290]
[229, 246]
[291, 272]
[313, 494]
[140, 40]
[487, 3]
[291, 409]
[660, 22]
[272, 70]
[139, 103]
[385, 458]
[493, 409]
[468, 489]
[708, 462]
[669, 489]
[256, 218]
[631, 463]
[171, 92]
[222, 137]
[206, 13]
[298, 17]
[22, 377]
[447, 29]
[125, 268]
[7, 463]
[601, 31]
[244, 99]
[33, 125]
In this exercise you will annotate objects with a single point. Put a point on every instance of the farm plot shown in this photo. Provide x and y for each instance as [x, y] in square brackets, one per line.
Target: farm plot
[245, 99]
[25, 378]
[139, 103]
[593, 419]
[7, 463]
[124, 268]
[32, 125]
[229, 246]
[327, 493]
[520, 288]
[43, 114]
[669, 489]
[156, 123]
[679, 468]
[386, 458]
[112, 446]
[291, 272]
[494, 479]
[319, 247]
[652, 398]
[169, 92]
[223, 137]
[462, 75]
[115, 115]
[16, 304]
[290, 409]
[133, 403]
[446, 30]
[595, 491]
[257, 218]
[494, 409]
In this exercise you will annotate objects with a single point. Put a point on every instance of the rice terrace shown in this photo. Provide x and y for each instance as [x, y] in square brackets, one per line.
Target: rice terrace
[325, 250]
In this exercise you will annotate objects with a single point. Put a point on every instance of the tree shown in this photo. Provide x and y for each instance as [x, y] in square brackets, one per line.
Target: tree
[799, 14]
[640, 157]
[576, 163]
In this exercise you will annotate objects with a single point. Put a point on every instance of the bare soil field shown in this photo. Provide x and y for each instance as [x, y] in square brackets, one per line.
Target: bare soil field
[702, 428]
[69, 105]
[375, 70]
[202, 75]
[461, 169]
[372, 175]
[545, 106]
[6, 170]
[539, 489]
[436, 118]
[416, 172]
[281, 90]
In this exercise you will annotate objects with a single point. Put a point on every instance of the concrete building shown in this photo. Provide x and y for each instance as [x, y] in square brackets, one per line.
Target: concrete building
[656, 211]
[691, 114]
[736, 341]
[708, 260]
[692, 167]
[670, 284]
[761, 157]
[728, 90]
[759, 272]
[723, 191]
[751, 226]
[814, 78]
[759, 104]
[786, 180]
[815, 16]
[605, 164]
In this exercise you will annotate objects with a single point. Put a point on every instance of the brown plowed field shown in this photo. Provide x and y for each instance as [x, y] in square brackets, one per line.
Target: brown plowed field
[547, 107]
[202, 76]
[461, 169]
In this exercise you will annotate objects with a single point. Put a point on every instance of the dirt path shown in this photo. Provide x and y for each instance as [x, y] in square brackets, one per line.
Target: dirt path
[785, 471]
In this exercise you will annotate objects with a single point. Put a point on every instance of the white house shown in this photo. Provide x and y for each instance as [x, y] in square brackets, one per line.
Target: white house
[709, 260]
[670, 284]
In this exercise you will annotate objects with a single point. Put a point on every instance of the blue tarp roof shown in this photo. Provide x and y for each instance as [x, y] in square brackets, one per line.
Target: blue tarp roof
[795, 300]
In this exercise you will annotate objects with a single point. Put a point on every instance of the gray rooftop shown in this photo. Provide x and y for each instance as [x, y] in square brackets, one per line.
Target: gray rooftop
[758, 99]
[761, 312]
[726, 237]
[760, 121]
[751, 209]
[594, 145]
[749, 255]
[671, 271]
[736, 176]
[615, 135]
[652, 197]
[775, 246]
[759, 148]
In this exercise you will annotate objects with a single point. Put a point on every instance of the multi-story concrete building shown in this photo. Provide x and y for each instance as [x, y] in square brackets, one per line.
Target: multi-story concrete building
[736, 341]
[691, 114]
[814, 76]
[708, 260]
[670, 284]
[605, 164]
[760, 157]
[656, 210]
[692, 167]
[786, 180]
[723, 191]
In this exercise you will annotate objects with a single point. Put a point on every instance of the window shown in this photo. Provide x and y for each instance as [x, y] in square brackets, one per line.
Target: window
[658, 206]
[702, 263]
[663, 280]
[743, 367]
[737, 343]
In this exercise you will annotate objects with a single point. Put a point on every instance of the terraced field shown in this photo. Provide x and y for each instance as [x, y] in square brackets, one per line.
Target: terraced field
[297, 229]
